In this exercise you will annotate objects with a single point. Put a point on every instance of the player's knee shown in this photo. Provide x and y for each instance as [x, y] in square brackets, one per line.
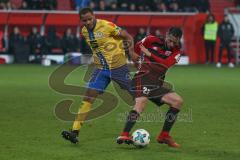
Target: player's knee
[177, 102]
[90, 95]
[140, 104]
[139, 108]
[88, 99]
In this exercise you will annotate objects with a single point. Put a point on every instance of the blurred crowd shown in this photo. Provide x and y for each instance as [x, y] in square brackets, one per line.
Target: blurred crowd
[237, 3]
[145, 5]
[115, 5]
[29, 5]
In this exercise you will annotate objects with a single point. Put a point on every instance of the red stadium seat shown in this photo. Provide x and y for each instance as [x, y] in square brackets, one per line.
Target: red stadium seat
[62, 19]
[62, 22]
[3, 19]
[132, 21]
[166, 21]
[110, 18]
[26, 19]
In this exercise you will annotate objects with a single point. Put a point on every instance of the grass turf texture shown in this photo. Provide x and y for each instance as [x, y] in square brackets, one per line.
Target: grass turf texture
[29, 130]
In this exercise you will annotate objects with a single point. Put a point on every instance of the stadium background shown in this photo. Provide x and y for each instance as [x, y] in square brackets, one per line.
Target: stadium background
[29, 128]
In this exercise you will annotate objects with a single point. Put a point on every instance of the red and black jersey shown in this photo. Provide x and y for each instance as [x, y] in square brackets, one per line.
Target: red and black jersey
[161, 59]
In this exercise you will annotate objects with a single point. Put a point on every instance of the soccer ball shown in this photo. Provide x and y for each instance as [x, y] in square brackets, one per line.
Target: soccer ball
[141, 138]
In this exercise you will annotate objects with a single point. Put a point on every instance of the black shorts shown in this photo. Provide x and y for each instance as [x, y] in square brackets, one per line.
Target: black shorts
[150, 85]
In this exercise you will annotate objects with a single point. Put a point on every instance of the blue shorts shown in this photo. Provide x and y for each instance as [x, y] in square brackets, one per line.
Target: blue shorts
[100, 78]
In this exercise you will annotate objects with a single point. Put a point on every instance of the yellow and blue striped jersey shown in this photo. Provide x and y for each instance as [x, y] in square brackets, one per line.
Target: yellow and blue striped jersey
[106, 44]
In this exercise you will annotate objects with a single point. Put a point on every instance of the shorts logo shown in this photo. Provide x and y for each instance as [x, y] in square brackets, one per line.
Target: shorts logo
[146, 90]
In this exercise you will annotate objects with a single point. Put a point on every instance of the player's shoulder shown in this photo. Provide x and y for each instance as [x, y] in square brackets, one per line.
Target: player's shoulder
[152, 38]
[106, 23]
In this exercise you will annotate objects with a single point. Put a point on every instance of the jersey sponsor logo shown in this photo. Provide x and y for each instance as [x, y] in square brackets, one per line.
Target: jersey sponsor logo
[168, 53]
[99, 34]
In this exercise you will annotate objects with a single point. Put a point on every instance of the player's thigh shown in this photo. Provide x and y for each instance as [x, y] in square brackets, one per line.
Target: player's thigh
[173, 99]
[121, 76]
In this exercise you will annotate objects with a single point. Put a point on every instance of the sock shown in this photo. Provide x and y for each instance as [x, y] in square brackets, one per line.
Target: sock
[131, 120]
[82, 114]
[170, 118]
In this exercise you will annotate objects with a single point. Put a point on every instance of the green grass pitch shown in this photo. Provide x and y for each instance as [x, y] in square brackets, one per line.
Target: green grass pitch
[29, 129]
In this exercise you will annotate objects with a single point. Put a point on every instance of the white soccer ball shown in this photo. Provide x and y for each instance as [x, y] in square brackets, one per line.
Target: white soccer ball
[141, 138]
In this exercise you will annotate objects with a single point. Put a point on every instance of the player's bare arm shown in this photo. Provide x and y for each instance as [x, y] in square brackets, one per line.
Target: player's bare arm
[125, 35]
[145, 51]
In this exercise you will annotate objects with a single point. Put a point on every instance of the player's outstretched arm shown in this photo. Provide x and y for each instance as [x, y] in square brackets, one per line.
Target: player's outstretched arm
[167, 62]
[125, 35]
[145, 51]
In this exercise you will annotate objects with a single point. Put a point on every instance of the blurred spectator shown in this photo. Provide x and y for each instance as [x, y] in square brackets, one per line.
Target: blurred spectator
[210, 36]
[18, 46]
[49, 5]
[110, 2]
[141, 8]
[70, 43]
[101, 6]
[147, 8]
[3, 4]
[237, 3]
[124, 6]
[34, 4]
[132, 7]
[35, 41]
[113, 6]
[81, 4]
[24, 6]
[225, 33]
[15, 38]
[188, 6]
[149, 5]
[158, 33]
[2, 42]
[52, 40]
[174, 7]
[9, 6]
[161, 7]
[140, 35]
[93, 6]
[202, 5]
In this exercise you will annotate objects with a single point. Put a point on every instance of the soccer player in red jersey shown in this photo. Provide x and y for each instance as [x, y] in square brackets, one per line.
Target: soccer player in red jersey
[157, 55]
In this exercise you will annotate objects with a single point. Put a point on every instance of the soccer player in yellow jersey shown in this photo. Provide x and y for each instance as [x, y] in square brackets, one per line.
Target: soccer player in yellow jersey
[106, 42]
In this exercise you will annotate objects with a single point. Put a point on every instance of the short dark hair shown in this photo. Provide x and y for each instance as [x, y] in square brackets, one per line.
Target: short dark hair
[84, 11]
[176, 32]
